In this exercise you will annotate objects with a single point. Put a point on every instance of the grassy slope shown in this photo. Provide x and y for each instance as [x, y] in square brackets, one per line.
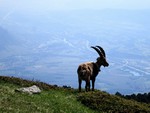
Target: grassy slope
[59, 100]
[51, 100]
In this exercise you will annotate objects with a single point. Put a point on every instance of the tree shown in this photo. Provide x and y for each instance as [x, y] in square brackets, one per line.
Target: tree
[119, 94]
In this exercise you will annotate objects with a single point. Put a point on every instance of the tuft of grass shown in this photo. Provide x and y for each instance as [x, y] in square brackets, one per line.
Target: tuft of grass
[102, 101]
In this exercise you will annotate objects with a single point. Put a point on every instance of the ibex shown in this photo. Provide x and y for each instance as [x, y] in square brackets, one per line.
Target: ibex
[89, 70]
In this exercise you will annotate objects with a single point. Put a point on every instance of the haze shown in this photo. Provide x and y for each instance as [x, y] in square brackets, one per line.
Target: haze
[41, 5]
[46, 40]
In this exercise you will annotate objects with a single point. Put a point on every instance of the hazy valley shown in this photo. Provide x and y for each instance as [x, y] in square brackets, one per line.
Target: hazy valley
[49, 46]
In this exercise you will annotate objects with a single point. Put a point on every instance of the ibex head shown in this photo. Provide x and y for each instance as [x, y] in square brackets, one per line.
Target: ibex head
[102, 59]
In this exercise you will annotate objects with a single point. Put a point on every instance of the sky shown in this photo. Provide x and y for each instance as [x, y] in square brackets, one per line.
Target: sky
[37, 5]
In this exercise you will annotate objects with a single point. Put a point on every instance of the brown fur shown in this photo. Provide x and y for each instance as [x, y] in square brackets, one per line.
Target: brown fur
[89, 70]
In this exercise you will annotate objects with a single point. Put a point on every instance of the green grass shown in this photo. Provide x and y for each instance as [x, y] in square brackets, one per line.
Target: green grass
[102, 101]
[59, 100]
[52, 100]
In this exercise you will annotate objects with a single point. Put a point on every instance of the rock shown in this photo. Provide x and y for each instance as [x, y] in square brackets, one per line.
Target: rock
[31, 90]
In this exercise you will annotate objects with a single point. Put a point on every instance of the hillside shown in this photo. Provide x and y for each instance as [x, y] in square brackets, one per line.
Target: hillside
[55, 99]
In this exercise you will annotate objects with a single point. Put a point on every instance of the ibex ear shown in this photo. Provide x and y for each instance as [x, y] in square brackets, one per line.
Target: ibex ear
[102, 50]
[98, 51]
